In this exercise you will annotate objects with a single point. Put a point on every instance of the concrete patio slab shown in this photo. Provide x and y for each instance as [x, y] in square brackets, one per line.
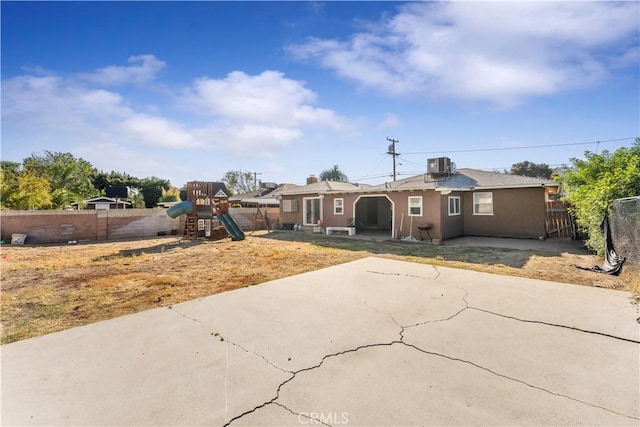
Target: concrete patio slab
[371, 342]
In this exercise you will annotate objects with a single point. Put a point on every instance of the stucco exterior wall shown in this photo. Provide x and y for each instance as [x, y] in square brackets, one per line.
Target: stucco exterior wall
[452, 225]
[408, 225]
[293, 217]
[63, 226]
[381, 217]
[516, 213]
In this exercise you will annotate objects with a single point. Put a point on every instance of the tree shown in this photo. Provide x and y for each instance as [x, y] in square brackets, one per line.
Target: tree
[592, 184]
[32, 192]
[535, 170]
[10, 167]
[70, 175]
[136, 198]
[9, 173]
[102, 180]
[152, 188]
[183, 192]
[333, 174]
[239, 182]
[170, 194]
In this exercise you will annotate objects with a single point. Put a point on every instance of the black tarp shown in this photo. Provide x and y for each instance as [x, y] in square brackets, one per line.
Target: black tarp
[612, 262]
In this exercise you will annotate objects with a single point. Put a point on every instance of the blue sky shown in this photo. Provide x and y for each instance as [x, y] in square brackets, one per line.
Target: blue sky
[189, 91]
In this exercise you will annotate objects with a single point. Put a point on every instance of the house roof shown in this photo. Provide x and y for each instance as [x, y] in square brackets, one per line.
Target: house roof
[103, 199]
[261, 200]
[464, 179]
[324, 187]
[264, 193]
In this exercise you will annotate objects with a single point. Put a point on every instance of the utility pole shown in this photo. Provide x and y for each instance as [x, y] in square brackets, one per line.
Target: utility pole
[392, 150]
[255, 181]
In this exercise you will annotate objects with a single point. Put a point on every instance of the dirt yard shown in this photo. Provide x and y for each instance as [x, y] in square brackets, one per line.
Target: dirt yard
[50, 288]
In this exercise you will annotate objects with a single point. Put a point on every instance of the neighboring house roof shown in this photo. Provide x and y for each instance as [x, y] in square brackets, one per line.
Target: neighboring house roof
[324, 187]
[261, 200]
[282, 188]
[463, 179]
[103, 199]
[262, 195]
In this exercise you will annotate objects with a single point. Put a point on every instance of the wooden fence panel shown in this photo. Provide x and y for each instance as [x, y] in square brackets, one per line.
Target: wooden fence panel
[558, 220]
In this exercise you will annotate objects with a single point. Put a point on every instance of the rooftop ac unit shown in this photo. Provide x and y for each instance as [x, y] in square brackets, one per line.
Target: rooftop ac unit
[269, 185]
[439, 166]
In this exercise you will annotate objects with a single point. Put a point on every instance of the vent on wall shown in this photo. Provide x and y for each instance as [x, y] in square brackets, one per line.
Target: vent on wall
[439, 166]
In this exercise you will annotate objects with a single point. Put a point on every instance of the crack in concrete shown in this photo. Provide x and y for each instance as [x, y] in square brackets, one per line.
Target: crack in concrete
[363, 301]
[402, 342]
[518, 381]
[295, 373]
[184, 315]
[260, 356]
[466, 306]
[405, 275]
[540, 322]
[435, 267]
[301, 414]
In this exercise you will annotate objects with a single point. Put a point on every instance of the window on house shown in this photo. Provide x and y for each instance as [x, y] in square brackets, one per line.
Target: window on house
[483, 203]
[338, 206]
[289, 206]
[454, 205]
[415, 205]
[311, 210]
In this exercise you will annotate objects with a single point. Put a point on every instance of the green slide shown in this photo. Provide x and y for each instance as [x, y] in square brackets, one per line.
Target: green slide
[232, 228]
[181, 208]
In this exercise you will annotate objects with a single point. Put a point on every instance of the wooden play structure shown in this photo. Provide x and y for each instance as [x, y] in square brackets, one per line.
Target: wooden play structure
[207, 212]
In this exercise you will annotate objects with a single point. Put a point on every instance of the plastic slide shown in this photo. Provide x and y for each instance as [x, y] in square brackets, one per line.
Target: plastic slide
[232, 228]
[181, 208]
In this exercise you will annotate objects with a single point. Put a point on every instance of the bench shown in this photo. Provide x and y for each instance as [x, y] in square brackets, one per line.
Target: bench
[350, 230]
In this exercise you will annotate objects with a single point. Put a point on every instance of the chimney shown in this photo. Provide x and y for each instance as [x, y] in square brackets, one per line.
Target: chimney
[312, 179]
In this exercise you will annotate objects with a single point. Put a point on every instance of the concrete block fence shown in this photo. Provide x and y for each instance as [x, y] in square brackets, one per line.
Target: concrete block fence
[83, 225]
[112, 224]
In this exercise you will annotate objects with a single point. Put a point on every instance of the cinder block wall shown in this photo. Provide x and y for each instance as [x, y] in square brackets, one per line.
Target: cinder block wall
[62, 226]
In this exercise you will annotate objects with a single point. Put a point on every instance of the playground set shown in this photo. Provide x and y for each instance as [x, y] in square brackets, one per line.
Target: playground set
[207, 212]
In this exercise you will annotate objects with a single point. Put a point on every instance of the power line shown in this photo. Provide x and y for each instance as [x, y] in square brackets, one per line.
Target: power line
[471, 150]
[366, 175]
[365, 178]
[392, 152]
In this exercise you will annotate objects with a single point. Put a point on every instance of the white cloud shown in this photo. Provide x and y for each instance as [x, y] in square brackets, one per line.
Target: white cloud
[66, 109]
[248, 115]
[159, 132]
[266, 98]
[390, 121]
[502, 52]
[57, 102]
[143, 69]
[257, 113]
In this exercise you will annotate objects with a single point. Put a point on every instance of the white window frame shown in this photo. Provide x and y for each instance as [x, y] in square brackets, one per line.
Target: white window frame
[415, 204]
[338, 206]
[477, 204]
[304, 210]
[456, 205]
